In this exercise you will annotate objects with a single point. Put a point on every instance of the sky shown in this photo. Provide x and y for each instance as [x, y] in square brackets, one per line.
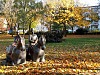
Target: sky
[85, 2]
[90, 2]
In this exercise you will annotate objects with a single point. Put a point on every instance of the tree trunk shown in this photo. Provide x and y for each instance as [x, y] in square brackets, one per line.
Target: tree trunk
[11, 30]
[50, 27]
[64, 29]
[23, 32]
[72, 29]
[29, 33]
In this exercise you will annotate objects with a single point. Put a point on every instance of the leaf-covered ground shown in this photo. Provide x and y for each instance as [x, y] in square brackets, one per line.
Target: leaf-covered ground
[75, 55]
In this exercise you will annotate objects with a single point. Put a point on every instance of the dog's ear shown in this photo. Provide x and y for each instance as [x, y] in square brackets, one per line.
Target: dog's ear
[7, 49]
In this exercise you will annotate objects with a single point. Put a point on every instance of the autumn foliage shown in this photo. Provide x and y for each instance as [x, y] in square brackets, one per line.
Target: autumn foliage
[72, 56]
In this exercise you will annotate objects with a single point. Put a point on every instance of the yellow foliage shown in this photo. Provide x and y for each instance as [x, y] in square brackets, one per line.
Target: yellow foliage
[61, 11]
[34, 24]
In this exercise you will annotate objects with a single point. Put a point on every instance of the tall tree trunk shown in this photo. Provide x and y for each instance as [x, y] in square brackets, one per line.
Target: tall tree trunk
[50, 26]
[72, 29]
[64, 29]
[29, 32]
[23, 30]
[12, 30]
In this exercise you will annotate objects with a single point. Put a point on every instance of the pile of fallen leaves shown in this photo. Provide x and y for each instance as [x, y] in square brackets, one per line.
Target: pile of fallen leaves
[58, 63]
[60, 60]
[50, 67]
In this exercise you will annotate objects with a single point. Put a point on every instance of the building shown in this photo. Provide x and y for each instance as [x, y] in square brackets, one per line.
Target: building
[95, 25]
[3, 24]
[3, 21]
[41, 27]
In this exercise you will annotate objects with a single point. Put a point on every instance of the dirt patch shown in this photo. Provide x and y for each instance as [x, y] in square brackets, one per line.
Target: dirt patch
[2, 36]
[68, 36]
[82, 36]
[7, 36]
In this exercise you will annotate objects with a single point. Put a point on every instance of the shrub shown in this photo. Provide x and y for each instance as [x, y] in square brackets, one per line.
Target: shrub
[53, 36]
[81, 31]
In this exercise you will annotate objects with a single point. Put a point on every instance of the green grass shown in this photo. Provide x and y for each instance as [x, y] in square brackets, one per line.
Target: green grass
[6, 41]
[66, 44]
[73, 52]
[76, 44]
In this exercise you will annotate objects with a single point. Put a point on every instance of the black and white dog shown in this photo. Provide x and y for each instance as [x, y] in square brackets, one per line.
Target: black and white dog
[16, 54]
[36, 51]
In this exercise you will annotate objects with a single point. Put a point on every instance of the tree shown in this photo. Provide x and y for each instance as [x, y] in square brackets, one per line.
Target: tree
[9, 13]
[27, 12]
[94, 16]
[2, 3]
[58, 11]
[65, 12]
[56, 26]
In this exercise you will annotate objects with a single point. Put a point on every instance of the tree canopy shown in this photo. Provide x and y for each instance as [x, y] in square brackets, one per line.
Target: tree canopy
[22, 12]
[27, 12]
[61, 12]
[66, 13]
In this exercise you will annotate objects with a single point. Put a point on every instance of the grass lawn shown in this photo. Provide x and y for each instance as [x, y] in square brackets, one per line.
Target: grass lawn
[77, 44]
[72, 56]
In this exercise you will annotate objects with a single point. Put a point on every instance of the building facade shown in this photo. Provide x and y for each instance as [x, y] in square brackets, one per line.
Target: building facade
[95, 25]
[3, 24]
